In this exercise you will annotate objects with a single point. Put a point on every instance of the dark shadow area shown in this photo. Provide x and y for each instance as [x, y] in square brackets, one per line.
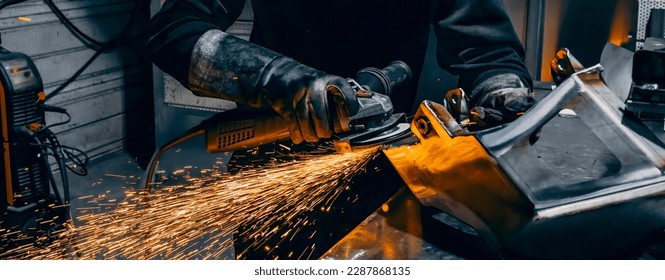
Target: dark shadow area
[585, 28]
[138, 89]
[452, 235]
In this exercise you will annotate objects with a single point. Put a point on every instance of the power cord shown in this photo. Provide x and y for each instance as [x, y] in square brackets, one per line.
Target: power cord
[79, 158]
[45, 139]
[99, 47]
[5, 3]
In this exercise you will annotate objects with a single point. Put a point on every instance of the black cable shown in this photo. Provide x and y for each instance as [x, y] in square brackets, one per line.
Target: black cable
[78, 162]
[69, 119]
[37, 141]
[59, 156]
[60, 159]
[65, 152]
[91, 43]
[6, 3]
[73, 77]
[51, 178]
[87, 40]
[78, 158]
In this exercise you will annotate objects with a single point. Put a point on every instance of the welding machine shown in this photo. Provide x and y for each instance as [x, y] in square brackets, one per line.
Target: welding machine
[29, 200]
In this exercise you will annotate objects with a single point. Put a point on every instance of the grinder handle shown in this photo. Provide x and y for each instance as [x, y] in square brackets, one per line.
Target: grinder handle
[232, 130]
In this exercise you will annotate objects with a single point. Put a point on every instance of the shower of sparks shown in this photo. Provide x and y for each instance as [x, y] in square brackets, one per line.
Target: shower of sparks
[196, 219]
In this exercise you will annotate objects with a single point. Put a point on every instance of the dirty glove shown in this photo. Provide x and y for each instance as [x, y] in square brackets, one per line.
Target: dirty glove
[301, 94]
[224, 66]
[500, 99]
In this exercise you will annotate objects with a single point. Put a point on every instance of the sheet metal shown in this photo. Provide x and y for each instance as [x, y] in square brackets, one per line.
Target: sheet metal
[499, 182]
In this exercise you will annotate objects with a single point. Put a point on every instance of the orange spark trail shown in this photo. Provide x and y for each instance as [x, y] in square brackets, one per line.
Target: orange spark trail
[197, 219]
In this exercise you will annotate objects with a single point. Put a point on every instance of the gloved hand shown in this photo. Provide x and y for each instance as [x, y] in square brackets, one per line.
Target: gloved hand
[500, 99]
[302, 94]
[224, 66]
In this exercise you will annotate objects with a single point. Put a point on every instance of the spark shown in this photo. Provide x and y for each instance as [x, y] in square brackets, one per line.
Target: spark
[196, 219]
[115, 175]
[285, 147]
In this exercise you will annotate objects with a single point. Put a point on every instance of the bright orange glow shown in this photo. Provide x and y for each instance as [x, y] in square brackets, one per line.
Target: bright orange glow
[621, 23]
[442, 169]
[26, 19]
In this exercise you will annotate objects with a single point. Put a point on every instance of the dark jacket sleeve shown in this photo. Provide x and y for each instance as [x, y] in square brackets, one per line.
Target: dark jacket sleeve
[476, 40]
[176, 28]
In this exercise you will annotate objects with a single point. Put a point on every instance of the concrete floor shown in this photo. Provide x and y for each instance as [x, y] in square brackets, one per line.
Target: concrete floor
[110, 177]
[114, 174]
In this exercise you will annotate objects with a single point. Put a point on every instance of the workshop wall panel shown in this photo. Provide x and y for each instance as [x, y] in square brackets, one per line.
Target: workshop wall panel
[109, 103]
[103, 115]
[102, 138]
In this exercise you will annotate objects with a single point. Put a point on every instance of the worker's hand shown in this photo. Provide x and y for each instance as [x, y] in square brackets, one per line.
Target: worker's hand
[227, 67]
[306, 97]
[499, 100]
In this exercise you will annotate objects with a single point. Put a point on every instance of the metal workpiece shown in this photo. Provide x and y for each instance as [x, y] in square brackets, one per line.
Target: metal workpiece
[377, 238]
[509, 186]
[589, 217]
[450, 170]
[400, 230]
[618, 65]
[640, 154]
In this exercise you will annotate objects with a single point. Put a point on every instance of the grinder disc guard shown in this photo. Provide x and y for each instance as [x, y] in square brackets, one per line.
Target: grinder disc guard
[393, 129]
[399, 131]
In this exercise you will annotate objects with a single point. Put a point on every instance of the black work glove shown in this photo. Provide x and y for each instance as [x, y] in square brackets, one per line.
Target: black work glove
[224, 66]
[500, 99]
[303, 95]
